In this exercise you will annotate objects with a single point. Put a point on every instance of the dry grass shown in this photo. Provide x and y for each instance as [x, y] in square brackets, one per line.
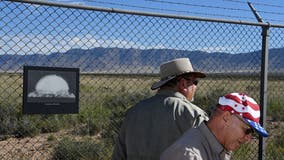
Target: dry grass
[96, 88]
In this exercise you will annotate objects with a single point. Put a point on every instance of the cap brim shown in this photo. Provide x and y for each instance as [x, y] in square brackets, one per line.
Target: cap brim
[261, 131]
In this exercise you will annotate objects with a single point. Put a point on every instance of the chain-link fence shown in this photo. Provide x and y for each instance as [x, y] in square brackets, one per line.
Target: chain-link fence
[119, 54]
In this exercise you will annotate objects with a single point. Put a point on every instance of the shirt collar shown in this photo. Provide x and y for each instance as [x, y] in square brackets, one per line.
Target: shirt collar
[172, 93]
[213, 142]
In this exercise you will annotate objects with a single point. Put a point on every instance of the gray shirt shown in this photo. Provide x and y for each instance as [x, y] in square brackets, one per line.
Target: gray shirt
[196, 144]
[154, 124]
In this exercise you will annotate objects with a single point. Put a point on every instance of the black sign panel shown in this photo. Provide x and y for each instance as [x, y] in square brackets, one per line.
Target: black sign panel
[50, 90]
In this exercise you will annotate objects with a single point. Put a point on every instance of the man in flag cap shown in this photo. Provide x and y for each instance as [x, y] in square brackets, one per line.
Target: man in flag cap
[232, 124]
[155, 123]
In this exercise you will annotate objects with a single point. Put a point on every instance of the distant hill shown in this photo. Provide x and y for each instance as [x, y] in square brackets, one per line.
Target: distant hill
[119, 60]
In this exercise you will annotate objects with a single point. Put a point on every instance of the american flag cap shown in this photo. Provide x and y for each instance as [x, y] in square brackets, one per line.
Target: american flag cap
[245, 106]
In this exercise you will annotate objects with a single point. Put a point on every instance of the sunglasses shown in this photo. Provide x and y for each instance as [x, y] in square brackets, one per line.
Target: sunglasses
[247, 131]
[195, 82]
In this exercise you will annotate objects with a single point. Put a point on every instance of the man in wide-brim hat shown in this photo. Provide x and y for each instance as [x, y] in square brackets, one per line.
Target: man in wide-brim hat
[176, 70]
[155, 123]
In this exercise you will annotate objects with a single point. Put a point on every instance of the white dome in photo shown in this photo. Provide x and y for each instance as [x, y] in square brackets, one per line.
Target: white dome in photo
[51, 86]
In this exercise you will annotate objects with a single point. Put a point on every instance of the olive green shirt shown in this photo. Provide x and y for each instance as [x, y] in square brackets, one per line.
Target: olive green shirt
[154, 124]
[196, 144]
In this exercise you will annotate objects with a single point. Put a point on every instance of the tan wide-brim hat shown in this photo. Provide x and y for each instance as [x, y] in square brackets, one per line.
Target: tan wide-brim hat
[170, 70]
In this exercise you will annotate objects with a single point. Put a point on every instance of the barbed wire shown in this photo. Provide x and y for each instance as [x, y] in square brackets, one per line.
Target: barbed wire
[171, 10]
[256, 3]
[190, 12]
[197, 5]
[217, 7]
[187, 12]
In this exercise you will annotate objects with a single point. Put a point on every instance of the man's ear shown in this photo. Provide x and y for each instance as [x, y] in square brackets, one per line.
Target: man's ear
[184, 82]
[181, 84]
[226, 116]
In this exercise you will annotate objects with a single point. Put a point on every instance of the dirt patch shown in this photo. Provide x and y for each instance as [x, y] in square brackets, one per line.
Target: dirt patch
[41, 147]
[36, 148]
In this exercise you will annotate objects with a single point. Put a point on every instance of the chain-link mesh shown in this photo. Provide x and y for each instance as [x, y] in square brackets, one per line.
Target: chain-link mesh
[119, 57]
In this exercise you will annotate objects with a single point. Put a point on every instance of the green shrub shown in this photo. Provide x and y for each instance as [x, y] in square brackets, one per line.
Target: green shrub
[275, 110]
[50, 123]
[13, 122]
[209, 100]
[247, 151]
[118, 106]
[77, 150]
[51, 138]
[26, 127]
[8, 119]
[92, 119]
[275, 143]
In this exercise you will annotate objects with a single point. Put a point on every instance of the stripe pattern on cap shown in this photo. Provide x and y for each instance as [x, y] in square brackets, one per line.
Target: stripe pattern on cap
[241, 104]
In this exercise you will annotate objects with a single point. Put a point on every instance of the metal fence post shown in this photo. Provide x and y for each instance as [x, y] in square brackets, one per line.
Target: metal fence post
[263, 80]
[263, 87]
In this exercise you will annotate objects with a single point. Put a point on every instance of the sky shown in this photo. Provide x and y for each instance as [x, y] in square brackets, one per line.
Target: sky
[30, 29]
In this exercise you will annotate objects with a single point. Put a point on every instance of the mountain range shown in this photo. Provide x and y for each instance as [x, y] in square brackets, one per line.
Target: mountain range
[121, 60]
